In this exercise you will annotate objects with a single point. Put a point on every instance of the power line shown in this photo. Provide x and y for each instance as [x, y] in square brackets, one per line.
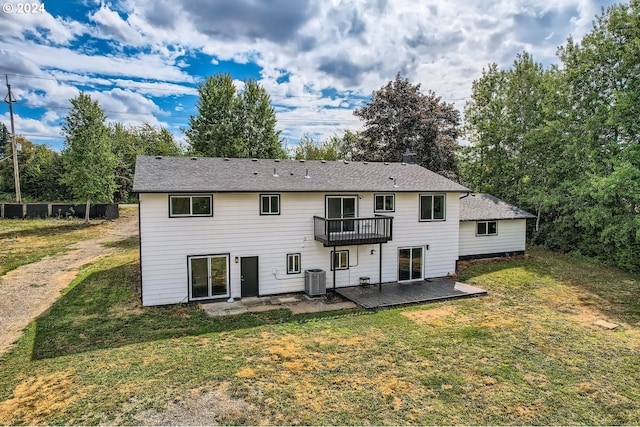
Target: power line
[116, 85]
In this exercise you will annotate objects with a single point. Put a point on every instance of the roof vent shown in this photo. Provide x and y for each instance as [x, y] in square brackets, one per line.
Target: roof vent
[158, 157]
[366, 163]
[275, 173]
[306, 174]
[255, 172]
[301, 160]
[277, 160]
[254, 160]
[403, 163]
[395, 183]
[345, 162]
[386, 163]
[194, 158]
[323, 161]
[291, 173]
[226, 159]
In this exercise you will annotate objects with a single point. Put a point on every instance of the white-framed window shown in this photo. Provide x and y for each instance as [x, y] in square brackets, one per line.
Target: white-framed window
[486, 228]
[432, 207]
[191, 205]
[293, 263]
[340, 260]
[269, 204]
[208, 276]
[384, 203]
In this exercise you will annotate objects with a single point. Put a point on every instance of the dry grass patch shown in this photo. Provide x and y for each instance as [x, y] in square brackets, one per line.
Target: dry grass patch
[434, 316]
[36, 399]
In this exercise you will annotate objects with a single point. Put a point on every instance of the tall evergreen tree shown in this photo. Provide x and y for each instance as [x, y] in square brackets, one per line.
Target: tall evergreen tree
[89, 161]
[233, 124]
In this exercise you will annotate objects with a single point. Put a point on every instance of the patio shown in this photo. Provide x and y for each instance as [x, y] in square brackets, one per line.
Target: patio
[394, 293]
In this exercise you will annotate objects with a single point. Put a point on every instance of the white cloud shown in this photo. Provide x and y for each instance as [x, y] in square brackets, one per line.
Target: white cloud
[115, 27]
[141, 65]
[33, 129]
[347, 47]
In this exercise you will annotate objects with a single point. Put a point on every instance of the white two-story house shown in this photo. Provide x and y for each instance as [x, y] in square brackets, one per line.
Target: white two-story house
[219, 228]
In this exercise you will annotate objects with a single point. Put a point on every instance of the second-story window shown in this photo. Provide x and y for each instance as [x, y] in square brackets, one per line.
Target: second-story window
[432, 207]
[384, 203]
[190, 205]
[269, 204]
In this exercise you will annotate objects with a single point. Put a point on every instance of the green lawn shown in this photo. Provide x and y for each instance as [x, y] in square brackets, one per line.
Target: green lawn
[24, 241]
[528, 353]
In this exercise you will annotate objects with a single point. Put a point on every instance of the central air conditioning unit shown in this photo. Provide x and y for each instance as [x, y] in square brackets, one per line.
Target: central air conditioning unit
[315, 282]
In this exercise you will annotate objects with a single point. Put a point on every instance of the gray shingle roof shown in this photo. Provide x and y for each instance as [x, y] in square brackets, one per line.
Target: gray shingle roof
[486, 207]
[213, 174]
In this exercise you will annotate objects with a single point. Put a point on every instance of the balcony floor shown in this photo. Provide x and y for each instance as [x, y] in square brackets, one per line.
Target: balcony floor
[348, 239]
[395, 293]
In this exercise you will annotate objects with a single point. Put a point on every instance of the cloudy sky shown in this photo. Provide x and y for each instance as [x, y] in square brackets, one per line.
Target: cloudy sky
[142, 60]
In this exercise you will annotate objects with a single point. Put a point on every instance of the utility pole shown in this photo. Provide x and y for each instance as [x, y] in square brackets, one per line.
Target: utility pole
[14, 149]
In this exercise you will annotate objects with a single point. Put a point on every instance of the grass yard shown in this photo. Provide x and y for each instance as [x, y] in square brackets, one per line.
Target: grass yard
[526, 354]
[27, 241]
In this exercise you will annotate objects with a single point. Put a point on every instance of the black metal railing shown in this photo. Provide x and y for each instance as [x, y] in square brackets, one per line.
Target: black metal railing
[353, 231]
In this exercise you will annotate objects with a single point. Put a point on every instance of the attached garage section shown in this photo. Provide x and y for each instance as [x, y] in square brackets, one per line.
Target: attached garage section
[508, 239]
[490, 228]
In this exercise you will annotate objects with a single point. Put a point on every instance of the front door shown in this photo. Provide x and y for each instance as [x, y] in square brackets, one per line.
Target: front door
[249, 276]
[410, 263]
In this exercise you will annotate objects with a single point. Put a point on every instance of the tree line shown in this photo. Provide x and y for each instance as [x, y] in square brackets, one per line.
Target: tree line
[560, 141]
[564, 141]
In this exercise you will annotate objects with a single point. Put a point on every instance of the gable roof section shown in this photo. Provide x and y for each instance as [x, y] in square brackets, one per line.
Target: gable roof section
[480, 206]
[214, 174]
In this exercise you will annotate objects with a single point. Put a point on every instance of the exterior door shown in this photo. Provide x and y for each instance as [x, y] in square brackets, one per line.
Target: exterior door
[208, 277]
[340, 207]
[249, 276]
[410, 263]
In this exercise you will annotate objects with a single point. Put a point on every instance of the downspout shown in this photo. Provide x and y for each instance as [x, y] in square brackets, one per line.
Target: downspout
[466, 195]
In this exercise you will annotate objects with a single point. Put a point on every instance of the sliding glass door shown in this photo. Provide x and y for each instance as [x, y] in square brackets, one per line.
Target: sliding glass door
[341, 207]
[410, 263]
[208, 277]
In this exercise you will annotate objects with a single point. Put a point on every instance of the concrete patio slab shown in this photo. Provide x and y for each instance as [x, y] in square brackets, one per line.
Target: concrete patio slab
[296, 303]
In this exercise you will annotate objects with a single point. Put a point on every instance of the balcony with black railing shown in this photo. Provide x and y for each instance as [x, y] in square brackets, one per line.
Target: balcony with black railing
[353, 231]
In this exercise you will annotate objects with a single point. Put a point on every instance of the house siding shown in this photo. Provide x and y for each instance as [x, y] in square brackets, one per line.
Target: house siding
[237, 228]
[510, 238]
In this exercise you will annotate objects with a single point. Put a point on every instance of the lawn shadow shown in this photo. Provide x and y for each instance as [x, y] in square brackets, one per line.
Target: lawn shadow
[126, 243]
[104, 311]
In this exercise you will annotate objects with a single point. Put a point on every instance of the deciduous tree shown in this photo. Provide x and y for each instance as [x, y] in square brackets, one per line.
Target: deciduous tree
[400, 117]
[89, 161]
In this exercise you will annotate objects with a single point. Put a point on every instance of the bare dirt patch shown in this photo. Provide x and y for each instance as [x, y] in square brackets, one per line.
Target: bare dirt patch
[202, 407]
[29, 290]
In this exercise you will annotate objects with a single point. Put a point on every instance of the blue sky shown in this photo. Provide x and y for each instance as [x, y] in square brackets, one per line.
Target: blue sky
[318, 59]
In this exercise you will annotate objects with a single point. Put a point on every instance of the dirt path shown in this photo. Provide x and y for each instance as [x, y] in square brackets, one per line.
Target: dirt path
[29, 290]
